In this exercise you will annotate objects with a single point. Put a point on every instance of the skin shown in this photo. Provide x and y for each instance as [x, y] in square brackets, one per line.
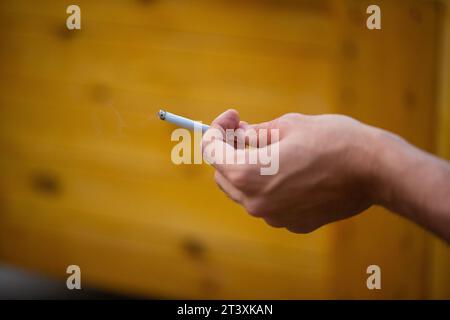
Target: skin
[333, 167]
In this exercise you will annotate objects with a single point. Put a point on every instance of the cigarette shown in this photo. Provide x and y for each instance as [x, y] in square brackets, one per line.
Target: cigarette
[182, 121]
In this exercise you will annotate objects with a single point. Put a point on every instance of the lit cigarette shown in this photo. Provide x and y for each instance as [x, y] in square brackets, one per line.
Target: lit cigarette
[182, 121]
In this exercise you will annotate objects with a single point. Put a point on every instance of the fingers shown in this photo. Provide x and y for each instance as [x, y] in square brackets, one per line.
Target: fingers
[232, 192]
[217, 152]
[264, 132]
[300, 222]
[227, 120]
[223, 156]
[241, 140]
[238, 165]
[243, 125]
[258, 135]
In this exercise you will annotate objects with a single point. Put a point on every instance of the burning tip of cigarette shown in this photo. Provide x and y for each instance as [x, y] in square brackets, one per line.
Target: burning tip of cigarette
[162, 114]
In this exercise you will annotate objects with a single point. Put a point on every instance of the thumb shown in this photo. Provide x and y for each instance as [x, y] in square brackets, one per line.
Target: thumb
[227, 120]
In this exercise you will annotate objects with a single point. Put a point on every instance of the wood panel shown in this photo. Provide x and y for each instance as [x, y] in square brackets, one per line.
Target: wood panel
[86, 176]
[388, 79]
[440, 252]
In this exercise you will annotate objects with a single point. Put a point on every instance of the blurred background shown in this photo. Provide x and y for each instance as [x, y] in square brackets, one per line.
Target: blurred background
[85, 171]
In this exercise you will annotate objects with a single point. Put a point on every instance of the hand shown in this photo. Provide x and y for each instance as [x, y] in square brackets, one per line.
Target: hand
[325, 171]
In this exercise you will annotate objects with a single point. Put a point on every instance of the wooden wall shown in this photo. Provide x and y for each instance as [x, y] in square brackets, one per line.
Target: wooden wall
[388, 79]
[439, 251]
[86, 176]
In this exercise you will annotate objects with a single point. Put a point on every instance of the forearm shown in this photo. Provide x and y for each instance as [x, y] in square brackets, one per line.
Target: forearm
[412, 183]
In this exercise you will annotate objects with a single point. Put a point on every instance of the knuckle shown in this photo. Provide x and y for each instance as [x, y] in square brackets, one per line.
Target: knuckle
[291, 116]
[303, 228]
[256, 207]
[239, 178]
[288, 119]
[273, 222]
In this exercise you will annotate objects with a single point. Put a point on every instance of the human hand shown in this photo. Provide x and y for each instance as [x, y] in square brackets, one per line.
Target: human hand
[325, 171]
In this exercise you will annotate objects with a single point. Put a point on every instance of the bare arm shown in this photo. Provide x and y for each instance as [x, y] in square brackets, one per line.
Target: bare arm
[332, 167]
[413, 183]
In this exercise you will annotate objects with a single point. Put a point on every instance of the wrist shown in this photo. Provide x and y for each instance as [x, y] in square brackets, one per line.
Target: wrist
[392, 161]
[405, 179]
[382, 152]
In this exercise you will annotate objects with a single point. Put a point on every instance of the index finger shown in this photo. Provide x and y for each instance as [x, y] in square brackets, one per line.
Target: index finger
[226, 120]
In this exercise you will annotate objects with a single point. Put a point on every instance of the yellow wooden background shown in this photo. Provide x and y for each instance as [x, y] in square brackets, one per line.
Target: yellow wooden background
[85, 170]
